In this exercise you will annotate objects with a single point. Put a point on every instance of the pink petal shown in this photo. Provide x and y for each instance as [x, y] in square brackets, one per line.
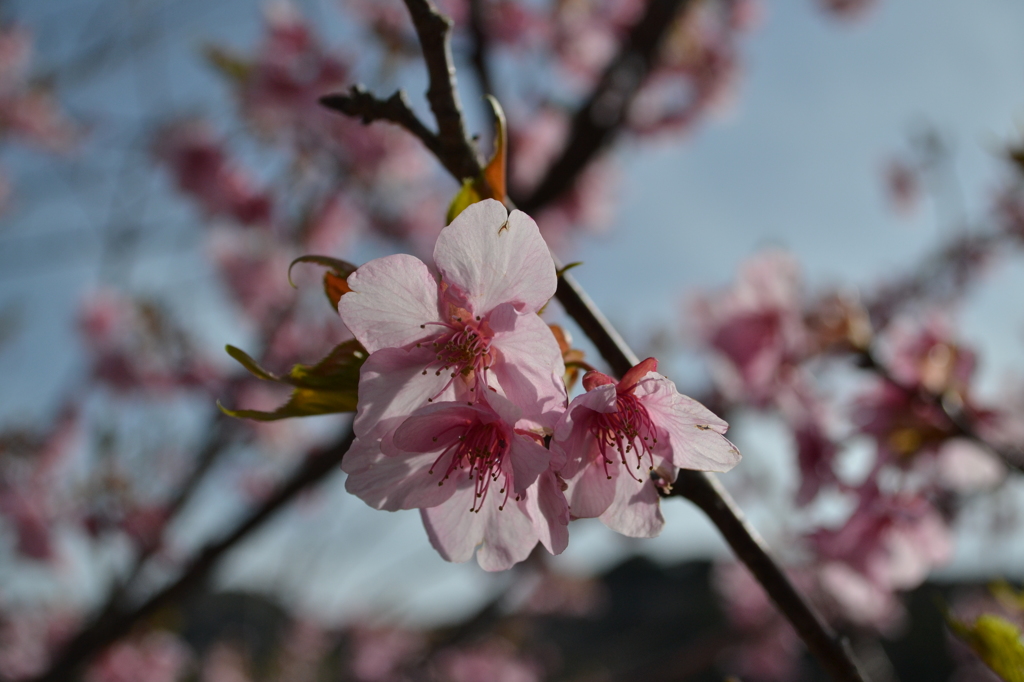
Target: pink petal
[550, 512]
[636, 509]
[434, 427]
[391, 299]
[590, 491]
[494, 258]
[593, 379]
[695, 433]
[394, 483]
[392, 386]
[509, 536]
[601, 399]
[528, 365]
[634, 374]
[454, 531]
[529, 459]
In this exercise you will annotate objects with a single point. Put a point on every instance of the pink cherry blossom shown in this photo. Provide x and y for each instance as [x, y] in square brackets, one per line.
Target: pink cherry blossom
[201, 168]
[754, 328]
[479, 480]
[473, 324]
[461, 370]
[892, 540]
[616, 434]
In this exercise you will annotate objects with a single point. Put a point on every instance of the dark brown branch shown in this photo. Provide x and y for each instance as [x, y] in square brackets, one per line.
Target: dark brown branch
[434, 31]
[832, 652]
[113, 624]
[361, 104]
[600, 119]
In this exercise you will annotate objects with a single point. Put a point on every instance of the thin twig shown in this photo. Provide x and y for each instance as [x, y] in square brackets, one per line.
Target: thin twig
[113, 624]
[434, 31]
[359, 103]
[600, 119]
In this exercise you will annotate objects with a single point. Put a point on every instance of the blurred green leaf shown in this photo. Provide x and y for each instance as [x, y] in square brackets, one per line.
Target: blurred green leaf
[335, 279]
[997, 642]
[230, 65]
[328, 387]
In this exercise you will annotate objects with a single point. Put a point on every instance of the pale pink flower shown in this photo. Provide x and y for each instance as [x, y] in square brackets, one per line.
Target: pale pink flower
[925, 354]
[616, 434]
[479, 480]
[472, 325]
[470, 334]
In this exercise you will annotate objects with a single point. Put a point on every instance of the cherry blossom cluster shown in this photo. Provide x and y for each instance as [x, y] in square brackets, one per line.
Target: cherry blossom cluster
[933, 441]
[463, 412]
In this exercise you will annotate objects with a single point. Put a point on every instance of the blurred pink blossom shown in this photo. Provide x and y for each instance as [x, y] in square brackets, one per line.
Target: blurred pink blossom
[893, 540]
[155, 657]
[201, 168]
[379, 653]
[491, 662]
[754, 328]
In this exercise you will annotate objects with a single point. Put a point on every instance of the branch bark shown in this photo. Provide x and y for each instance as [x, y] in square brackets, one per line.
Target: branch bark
[600, 119]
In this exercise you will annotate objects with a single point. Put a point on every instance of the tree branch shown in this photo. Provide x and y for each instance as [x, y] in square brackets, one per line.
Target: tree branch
[112, 624]
[595, 126]
[434, 31]
[832, 652]
[599, 121]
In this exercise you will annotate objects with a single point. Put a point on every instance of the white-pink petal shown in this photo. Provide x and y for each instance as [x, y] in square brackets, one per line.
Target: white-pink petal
[394, 483]
[392, 386]
[635, 510]
[550, 512]
[494, 258]
[696, 439]
[527, 365]
[391, 299]
[528, 459]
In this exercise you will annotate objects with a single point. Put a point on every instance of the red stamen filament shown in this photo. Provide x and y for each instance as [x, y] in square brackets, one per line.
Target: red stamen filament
[481, 450]
[463, 349]
[628, 430]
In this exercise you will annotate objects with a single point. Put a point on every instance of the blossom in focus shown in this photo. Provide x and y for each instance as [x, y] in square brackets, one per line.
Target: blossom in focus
[616, 434]
[479, 481]
[470, 327]
[465, 346]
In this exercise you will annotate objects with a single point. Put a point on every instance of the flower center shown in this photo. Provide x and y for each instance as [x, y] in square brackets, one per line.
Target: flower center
[479, 451]
[628, 430]
[463, 348]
